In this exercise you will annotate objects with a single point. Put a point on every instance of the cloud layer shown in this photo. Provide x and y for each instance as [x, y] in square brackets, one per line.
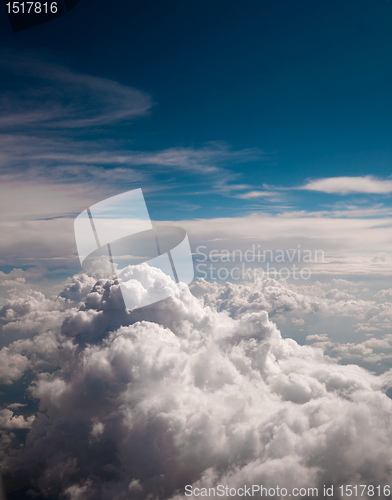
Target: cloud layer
[350, 322]
[181, 392]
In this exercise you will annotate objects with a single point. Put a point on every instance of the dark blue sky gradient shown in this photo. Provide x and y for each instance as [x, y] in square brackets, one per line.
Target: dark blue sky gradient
[307, 81]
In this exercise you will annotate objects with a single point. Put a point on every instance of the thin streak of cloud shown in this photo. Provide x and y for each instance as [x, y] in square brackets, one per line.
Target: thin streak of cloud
[211, 159]
[256, 194]
[29, 164]
[346, 185]
[54, 98]
[60, 98]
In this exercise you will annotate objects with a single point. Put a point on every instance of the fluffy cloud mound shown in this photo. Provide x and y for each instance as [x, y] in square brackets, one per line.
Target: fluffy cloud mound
[35, 322]
[9, 421]
[179, 393]
[338, 297]
[346, 313]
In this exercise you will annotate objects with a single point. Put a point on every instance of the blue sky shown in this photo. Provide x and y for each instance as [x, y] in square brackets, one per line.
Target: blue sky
[218, 110]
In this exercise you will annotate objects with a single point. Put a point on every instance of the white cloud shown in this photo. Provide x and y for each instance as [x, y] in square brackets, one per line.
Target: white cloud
[345, 185]
[31, 326]
[183, 393]
[97, 430]
[266, 228]
[380, 257]
[350, 304]
[384, 294]
[76, 491]
[10, 421]
[31, 312]
[256, 194]
[12, 366]
[350, 245]
[277, 297]
[43, 178]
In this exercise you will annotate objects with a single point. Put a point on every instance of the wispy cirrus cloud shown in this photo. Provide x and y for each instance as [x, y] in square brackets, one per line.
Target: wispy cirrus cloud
[32, 152]
[55, 97]
[256, 194]
[346, 185]
[344, 211]
[37, 147]
[52, 100]
[263, 198]
[42, 171]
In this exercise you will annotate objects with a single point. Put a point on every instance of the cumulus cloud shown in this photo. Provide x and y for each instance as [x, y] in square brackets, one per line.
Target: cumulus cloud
[338, 297]
[30, 325]
[184, 392]
[10, 421]
[345, 313]
[12, 365]
[384, 294]
[30, 312]
[11, 279]
[345, 185]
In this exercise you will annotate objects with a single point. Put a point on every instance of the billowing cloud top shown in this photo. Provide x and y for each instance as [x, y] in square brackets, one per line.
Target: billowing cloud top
[143, 403]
